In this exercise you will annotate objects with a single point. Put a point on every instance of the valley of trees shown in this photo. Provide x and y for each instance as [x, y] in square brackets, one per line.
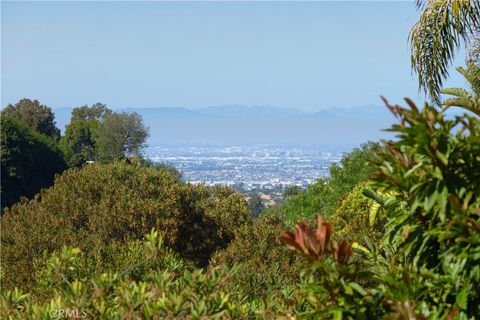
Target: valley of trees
[393, 233]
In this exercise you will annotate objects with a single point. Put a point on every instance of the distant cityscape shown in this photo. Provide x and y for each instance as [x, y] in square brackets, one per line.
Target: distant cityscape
[249, 167]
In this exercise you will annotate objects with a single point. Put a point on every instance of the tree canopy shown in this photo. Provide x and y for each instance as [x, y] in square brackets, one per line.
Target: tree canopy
[29, 161]
[95, 112]
[79, 142]
[121, 134]
[98, 133]
[39, 117]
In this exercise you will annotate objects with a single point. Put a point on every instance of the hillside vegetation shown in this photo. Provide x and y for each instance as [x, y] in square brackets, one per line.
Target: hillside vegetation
[393, 233]
[29, 159]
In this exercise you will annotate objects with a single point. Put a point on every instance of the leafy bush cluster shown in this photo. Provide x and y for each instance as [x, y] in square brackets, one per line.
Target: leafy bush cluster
[403, 245]
[353, 218]
[169, 289]
[427, 265]
[263, 265]
[99, 205]
[325, 195]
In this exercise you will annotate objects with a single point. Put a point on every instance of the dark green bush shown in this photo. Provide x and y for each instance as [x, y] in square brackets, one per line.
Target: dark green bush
[99, 205]
[29, 160]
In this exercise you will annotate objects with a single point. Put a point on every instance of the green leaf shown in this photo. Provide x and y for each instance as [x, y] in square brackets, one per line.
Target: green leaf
[461, 299]
[430, 201]
[358, 288]
[443, 158]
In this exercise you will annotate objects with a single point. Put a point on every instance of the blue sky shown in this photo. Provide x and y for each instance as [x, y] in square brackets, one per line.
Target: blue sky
[307, 55]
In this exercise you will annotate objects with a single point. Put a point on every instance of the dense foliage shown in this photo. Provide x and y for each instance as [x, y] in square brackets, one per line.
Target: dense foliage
[79, 142]
[102, 204]
[402, 240]
[428, 263]
[434, 214]
[35, 115]
[323, 196]
[263, 265]
[351, 218]
[121, 134]
[169, 290]
[29, 160]
[96, 133]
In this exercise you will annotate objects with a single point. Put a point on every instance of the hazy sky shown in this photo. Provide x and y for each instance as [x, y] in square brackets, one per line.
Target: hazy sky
[308, 55]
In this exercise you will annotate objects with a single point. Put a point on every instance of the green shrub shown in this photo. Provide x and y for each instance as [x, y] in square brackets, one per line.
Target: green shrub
[428, 264]
[434, 212]
[135, 261]
[99, 205]
[324, 196]
[29, 160]
[334, 276]
[351, 218]
[264, 266]
[171, 291]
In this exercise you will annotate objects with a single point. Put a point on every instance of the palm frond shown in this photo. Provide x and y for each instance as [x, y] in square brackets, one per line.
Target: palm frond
[464, 99]
[467, 104]
[442, 26]
[457, 92]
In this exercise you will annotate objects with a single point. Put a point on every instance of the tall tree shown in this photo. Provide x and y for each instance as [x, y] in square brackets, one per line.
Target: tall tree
[39, 117]
[442, 27]
[121, 134]
[79, 142]
[29, 161]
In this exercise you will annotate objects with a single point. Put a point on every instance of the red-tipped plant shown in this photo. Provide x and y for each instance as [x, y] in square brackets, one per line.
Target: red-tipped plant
[315, 243]
[342, 251]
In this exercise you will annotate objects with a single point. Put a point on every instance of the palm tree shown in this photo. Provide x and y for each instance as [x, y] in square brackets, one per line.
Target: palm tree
[463, 98]
[442, 27]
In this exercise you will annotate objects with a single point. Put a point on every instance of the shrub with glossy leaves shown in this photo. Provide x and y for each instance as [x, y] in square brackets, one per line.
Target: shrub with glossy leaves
[434, 214]
[428, 264]
[333, 275]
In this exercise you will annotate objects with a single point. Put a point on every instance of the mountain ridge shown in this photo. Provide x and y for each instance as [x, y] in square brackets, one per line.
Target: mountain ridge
[237, 124]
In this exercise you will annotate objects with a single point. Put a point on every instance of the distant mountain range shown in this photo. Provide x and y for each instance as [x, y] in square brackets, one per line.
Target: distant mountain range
[235, 124]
